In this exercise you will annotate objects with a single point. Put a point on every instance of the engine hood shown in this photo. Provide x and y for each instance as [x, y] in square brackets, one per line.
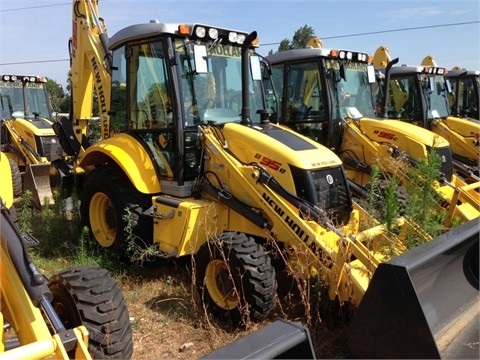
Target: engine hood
[400, 133]
[464, 127]
[276, 148]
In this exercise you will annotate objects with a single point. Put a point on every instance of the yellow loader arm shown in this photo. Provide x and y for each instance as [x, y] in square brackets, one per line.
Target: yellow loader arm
[89, 67]
[317, 246]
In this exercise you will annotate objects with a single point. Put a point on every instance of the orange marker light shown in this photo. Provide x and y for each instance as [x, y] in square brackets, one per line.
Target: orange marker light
[184, 29]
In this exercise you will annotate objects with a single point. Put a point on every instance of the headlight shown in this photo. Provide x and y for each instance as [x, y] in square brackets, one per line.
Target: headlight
[213, 33]
[200, 31]
[240, 38]
[232, 37]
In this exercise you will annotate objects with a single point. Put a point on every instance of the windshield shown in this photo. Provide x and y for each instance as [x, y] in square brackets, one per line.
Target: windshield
[437, 101]
[13, 104]
[215, 96]
[467, 93]
[404, 101]
[351, 92]
[162, 89]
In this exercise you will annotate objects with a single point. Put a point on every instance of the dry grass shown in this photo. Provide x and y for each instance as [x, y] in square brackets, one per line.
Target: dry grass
[166, 318]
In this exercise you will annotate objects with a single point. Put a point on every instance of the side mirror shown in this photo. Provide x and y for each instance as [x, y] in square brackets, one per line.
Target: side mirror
[200, 57]
[255, 68]
[371, 74]
[448, 85]
[431, 84]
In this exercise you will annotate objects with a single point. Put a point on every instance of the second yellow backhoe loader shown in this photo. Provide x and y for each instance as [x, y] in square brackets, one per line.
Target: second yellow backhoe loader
[419, 95]
[27, 137]
[463, 87]
[189, 151]
[79, 313]
[326, 94]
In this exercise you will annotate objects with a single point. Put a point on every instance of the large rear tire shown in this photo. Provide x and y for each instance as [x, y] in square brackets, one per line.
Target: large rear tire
[89, 296]
[106, 196]
[235, 278]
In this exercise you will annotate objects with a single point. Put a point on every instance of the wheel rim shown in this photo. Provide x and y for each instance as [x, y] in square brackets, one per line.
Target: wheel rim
[102, 219]
[220, 285]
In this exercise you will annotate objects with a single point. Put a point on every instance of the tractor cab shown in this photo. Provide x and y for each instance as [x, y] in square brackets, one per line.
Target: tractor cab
[320, 88]
[165, 104]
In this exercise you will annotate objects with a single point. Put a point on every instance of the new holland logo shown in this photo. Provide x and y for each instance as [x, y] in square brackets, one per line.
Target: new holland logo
[329, 179]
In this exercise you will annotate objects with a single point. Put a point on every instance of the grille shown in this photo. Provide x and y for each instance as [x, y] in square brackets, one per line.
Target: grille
[49, 147]
[327, 188]
[446, 167]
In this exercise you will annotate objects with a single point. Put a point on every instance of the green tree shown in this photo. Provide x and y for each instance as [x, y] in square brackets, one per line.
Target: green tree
[67, 99]
[284, 45]
[299, 40]
[55, 94]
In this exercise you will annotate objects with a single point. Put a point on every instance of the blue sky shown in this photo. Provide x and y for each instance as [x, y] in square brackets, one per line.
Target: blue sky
[36, 32]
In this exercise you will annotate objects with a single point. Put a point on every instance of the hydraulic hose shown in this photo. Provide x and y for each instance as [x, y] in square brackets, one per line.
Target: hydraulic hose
[305, 207]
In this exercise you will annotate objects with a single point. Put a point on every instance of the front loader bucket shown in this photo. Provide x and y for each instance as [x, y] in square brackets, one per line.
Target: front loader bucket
[37, 181]
[423, 303]
[280, 339]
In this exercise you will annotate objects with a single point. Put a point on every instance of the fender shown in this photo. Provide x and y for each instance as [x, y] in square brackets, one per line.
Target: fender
[130, 156]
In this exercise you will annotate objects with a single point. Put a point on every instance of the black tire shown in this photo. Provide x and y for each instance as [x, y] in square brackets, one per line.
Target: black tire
[16, 178]
[235, 279]
[104, 200]
[89, 296]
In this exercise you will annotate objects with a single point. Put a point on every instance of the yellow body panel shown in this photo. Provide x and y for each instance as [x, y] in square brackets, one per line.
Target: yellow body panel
[188, 225]
[21, 132]
[6, 190]
[462, 134]
[372, 142]
[405, 136]
[249, 145]
[130, 156]
[28, 128]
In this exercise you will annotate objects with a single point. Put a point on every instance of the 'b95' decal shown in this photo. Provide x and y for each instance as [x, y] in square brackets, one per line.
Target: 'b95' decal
[385, 135]
[270, 163]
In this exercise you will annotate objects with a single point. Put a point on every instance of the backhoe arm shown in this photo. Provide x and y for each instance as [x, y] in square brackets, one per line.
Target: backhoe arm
[90, 67]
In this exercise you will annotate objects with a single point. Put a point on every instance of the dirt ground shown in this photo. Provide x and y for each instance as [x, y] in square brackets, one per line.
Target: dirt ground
[169, 324]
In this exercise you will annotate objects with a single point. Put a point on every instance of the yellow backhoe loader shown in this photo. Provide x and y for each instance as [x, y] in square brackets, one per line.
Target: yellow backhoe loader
[419, 95]
[189, 151]
[79, 313]
[27, 137]
[326, 94]
[463, 90]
